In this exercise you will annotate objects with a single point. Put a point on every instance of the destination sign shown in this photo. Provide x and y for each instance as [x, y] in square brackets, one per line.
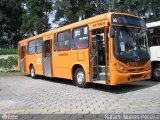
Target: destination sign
[99, 24]
[128, 20]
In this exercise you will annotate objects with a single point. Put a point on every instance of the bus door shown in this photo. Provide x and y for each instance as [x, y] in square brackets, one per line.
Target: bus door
[98, 55]
[47, 58]
[22, 58]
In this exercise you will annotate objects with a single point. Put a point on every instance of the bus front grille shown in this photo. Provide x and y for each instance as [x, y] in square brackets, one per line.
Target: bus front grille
[135, 76]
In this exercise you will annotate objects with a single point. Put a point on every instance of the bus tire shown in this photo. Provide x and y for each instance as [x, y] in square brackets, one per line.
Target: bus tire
[156, 72]
[80, 78]
[32, 72]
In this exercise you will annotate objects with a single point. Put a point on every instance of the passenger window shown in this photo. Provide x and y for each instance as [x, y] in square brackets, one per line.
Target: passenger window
[39, 42]
[63, 42]
[47, 48]
[80, 38]
[31, 47]
[55, 41]
[155, 41]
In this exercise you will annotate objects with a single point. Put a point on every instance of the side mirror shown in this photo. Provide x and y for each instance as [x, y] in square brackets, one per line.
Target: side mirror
[112, 32]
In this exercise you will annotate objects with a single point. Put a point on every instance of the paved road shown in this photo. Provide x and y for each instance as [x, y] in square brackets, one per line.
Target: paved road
[21, 94]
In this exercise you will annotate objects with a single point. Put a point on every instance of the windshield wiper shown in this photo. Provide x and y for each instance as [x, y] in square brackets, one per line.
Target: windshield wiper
[127, 30]
[139, 33]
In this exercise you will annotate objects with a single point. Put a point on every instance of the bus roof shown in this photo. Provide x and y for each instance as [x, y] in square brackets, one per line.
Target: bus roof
[76, 24]
[153, 24]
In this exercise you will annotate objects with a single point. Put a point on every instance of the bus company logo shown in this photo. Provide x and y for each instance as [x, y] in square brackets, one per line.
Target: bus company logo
[135, 64]
[63, 54]
[4, 117]
[136, 70]
[137, 59]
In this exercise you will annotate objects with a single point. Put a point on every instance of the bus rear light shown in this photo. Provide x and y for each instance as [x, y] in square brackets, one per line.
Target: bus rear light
[120, 68]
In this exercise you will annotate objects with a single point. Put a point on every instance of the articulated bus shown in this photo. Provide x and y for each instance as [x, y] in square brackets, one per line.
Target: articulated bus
[154, 30]
[109, 49]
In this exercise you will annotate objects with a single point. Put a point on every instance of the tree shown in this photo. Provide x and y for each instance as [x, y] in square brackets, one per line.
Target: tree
[10, 21]
[149, 10]
[153, 11]
[36, 17]
[23, 17]
[26, 17]
[69, 11]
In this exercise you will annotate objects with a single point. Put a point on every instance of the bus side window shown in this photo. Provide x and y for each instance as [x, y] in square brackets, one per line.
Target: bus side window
[31, 47]
[23, 51]
[39, 42]
[155, 41]
[80, 38]
[63, 41]
[55, 42]
[47, 48]
[19, 48]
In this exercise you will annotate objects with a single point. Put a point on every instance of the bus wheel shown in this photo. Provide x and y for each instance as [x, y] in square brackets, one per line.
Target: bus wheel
[80, 78]
[32, 72]
[156, 72]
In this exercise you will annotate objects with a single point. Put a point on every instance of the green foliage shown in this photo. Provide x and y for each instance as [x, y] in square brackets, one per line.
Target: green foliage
[5, 51]
[9, 63]
[10, 21]
[148, 9]
[68, 11]
[11, 73]
[155, 11]
[36, 17]
[20, 18]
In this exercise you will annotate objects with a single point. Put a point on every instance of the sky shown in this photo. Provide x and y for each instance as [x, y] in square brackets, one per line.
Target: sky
[51, 18]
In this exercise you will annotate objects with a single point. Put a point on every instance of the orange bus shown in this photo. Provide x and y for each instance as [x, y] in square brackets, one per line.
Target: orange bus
[108, 49]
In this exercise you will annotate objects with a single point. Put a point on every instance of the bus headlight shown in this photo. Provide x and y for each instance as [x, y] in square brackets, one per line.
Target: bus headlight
[120, 68]
[148, 67]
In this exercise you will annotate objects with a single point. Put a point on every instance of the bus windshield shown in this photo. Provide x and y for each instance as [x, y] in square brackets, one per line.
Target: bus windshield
[130, 44]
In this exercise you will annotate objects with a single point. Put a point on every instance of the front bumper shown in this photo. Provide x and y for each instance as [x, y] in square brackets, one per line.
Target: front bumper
[121, 78]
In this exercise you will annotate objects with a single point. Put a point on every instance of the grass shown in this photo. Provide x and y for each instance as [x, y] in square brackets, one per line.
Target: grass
[10, 51]
[11, 73]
